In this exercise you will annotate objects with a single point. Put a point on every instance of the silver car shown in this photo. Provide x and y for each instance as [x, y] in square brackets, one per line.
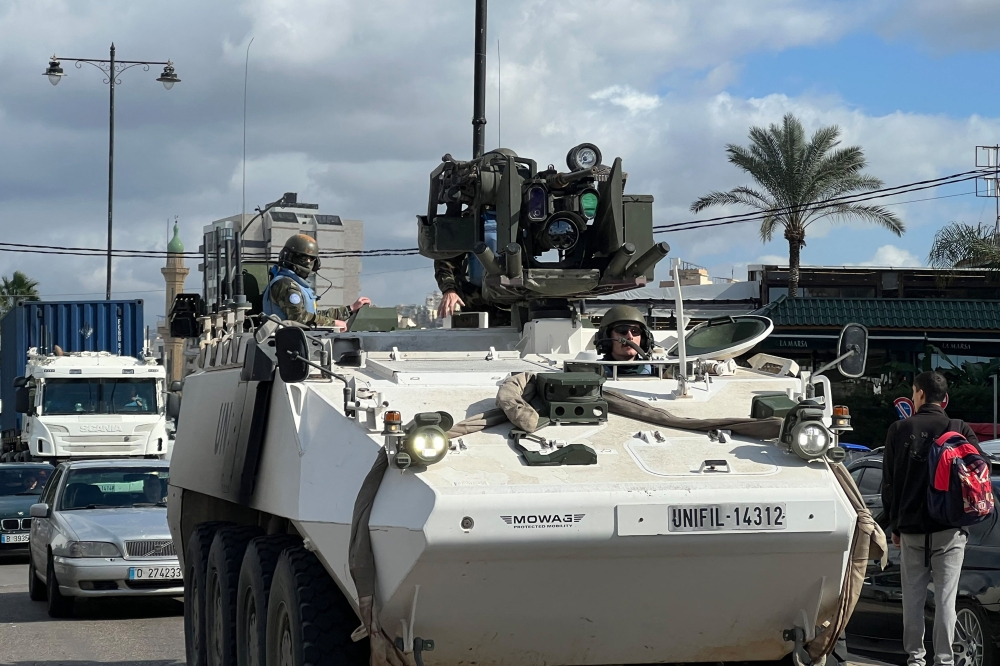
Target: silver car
[100, 529]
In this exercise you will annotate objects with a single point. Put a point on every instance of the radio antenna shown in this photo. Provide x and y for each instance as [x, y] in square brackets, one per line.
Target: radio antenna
[499, 143]
[479, 84]
[246, 72]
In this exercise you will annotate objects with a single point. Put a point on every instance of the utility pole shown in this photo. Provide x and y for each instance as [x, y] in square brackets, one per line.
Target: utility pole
[988, 157]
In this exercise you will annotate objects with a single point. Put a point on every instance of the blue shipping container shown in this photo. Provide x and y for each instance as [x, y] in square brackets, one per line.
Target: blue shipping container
[111, 326]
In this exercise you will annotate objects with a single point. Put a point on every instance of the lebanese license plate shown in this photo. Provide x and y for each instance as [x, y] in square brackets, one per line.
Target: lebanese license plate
[714, 517]
[14, 538]
[154, 573]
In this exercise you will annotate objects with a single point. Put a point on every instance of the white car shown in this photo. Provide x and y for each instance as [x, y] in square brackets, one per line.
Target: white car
[100, 529]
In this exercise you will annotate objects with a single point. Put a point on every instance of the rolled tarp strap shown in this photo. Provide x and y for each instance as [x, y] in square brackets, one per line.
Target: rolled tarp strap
[868, 543]
[361, 560]
[640, 410]
[514, 398]
[477, 422]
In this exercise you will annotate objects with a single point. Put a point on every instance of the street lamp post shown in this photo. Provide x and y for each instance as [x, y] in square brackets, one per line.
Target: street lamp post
[112, 69]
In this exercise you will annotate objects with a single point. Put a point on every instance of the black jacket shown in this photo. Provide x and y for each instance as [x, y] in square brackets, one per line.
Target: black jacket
[905, 477]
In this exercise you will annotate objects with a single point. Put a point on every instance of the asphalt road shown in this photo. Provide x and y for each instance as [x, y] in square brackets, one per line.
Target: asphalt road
[139, 632]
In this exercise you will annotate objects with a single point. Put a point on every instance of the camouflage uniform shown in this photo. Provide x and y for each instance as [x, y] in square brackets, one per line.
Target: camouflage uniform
[287, 294]
[452, 275]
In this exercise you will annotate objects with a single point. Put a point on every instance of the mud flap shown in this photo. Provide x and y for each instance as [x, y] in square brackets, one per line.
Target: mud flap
[868, 543]
[362, 563]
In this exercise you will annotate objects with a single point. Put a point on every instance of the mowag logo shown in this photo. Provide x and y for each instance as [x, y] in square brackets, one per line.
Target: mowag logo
[535, 521]
[101, 427]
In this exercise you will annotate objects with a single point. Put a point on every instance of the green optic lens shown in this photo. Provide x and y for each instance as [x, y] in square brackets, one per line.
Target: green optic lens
[588, 202]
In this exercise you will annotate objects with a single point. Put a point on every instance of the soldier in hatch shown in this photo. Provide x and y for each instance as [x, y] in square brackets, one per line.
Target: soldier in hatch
[624, 336]
[460, 280]
[289, 294]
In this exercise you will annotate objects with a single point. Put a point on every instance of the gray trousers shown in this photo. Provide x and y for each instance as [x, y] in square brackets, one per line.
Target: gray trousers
[947, 553]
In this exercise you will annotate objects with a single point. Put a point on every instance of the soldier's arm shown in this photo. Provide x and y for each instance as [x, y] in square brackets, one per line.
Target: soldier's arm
[446, 273]
[329, 316]
[287, 295]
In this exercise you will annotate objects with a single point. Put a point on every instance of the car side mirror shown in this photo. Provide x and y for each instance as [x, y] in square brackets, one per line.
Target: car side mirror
[40, 510]
[173, 405]
[853, 338]
[19, 382]
[22, 400]
[176, 386]
[291, 347]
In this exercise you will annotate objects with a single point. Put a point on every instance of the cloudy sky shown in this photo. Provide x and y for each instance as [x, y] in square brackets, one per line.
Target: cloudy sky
[351, 104]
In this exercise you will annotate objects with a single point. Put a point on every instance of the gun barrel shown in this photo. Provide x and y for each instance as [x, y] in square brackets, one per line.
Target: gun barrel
[561, 180]
[486, 257]
[616, 268]
[648, 259]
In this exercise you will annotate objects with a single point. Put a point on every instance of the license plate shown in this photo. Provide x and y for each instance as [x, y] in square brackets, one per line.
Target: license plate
[14, 538]
[714, 517]
[154, 573]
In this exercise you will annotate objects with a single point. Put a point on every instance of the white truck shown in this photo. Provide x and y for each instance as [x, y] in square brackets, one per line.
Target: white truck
[92, 404]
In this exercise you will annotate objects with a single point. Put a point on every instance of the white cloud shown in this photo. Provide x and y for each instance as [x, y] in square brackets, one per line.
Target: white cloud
[890, 255]
[631, 99]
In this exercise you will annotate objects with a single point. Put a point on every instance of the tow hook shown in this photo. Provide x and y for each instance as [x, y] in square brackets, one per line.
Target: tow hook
[800, 657]
[420, 645]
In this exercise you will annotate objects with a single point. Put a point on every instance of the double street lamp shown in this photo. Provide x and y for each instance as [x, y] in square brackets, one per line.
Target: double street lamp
[112, 69]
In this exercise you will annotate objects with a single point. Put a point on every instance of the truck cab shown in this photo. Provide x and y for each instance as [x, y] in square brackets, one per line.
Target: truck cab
[92, 404]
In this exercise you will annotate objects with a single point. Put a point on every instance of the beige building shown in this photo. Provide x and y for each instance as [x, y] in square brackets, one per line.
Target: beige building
[339, 279]
[174, 274]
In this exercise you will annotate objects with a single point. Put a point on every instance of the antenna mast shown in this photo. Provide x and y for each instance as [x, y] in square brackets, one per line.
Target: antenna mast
[479, 90]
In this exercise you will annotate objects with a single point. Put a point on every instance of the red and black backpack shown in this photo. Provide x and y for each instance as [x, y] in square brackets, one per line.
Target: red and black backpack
[960, 492]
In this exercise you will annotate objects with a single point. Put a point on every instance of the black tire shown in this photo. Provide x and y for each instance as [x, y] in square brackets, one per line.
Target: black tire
[253, 590]
[224, 560]
[309, 622]
[973, 636]
[36, 588]
[195, 569]
[59, 605]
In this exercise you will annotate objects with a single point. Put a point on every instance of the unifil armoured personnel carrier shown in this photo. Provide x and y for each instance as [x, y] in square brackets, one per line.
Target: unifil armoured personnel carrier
[508, 495]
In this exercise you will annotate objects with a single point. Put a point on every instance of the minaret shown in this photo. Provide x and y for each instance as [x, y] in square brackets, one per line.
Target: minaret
[174, 274]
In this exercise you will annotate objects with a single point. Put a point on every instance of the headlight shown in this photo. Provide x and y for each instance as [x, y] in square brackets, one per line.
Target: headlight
[584, 156]
[426, 444]
[92, 549]
[810, 439]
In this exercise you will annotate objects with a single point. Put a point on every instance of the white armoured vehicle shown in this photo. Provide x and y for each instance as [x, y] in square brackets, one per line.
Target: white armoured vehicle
[92, 404]
[510, 495]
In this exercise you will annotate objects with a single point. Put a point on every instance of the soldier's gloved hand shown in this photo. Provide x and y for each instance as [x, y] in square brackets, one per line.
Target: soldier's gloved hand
[449, 300]
[361, 302]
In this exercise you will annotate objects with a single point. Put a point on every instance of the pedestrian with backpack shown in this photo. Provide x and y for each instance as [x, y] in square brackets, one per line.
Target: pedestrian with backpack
[935, 482]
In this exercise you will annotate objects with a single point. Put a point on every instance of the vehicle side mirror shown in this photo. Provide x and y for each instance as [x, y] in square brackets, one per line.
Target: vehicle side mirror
[22, 400]
[20, 381]
[173, 405]
[291, 346]
[176, 386]
[40, 511]
[853, 338]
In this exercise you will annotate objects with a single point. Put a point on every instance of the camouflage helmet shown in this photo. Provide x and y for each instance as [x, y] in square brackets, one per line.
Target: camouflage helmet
[300, 254]
[622, 314]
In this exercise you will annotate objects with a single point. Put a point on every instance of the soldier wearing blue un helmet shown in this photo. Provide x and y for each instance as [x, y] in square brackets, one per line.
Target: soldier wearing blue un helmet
[290, 296]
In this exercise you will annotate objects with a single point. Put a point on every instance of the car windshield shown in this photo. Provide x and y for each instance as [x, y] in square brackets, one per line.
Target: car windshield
[23, 480]
[99, 396]
[113, 487]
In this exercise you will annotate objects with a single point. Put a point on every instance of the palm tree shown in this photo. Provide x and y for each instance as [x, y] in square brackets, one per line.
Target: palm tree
[18, 286]
[960, 245]
[800, 183]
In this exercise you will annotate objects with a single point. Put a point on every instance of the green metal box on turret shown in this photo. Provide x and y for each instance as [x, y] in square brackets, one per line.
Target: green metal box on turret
[572, 397]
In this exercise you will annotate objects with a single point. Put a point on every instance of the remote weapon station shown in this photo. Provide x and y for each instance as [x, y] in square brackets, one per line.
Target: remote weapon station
[512, 495]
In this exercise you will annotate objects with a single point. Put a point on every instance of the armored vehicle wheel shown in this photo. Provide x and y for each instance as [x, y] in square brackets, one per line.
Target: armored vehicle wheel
[195, 570]
[308, 619]
[224, 560]
[59, 606]
[36, 588]
[252, 593]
